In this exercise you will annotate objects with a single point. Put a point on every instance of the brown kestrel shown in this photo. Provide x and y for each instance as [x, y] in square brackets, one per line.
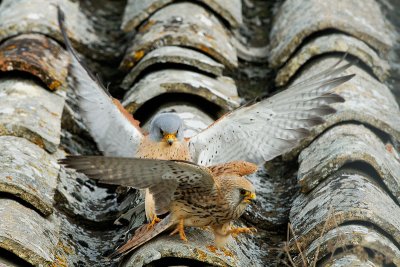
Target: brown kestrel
[193, 195]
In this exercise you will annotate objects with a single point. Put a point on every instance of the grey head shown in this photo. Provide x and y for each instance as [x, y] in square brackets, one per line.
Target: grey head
[167, 127]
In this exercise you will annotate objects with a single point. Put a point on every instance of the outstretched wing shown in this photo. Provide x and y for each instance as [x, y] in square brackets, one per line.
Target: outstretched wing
[271, 127]
[162, 177]
[112, 128]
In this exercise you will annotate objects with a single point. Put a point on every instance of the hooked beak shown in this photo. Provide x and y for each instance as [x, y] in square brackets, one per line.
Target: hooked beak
[170, 138]
[250, 198]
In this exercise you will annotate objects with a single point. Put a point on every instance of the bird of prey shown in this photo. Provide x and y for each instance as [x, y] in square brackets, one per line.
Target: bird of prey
[251, 134]
[193, 195]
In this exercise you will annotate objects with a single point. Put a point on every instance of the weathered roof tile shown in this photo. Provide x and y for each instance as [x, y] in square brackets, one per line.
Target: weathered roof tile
[27, 234]
[137, 11]
[329, 153]
[361, 19]
[96, 204]
[28, 172]
[350, 259]
[173, 55]
[329, 44]
[38, 55]
[182, 24]
[348, 236]
[22, 16]
[170, 246]
[220, 91]
[346, 196]
[29, 111]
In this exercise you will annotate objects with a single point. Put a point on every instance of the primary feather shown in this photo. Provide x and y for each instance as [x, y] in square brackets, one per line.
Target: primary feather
[162, 177]
[113, 132]
[271, 127]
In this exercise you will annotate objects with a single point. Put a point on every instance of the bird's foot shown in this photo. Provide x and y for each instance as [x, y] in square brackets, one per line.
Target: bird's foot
[205, 228]
[214, 249]
[242, 230]
[227, 252]
[153, 222]
[181, 230]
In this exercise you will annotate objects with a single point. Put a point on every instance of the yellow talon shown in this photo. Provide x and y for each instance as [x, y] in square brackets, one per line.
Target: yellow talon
[212, 248]
[180, 229]
[153, 222]
[242, 230]
[226, 252]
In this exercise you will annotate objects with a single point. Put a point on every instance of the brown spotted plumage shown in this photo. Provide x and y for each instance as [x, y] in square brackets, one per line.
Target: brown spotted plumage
[193, 195]
[149, 149]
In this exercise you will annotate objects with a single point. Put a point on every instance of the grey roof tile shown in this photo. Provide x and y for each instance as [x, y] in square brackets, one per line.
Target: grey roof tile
[28, 172]
[220, 91]
[30, 111]
[350, 259]
[329, 44]
[346, 197]
[351, 236]
[182, 24]
[175, 55]
[361, 19]
[28, 16]
[329, 153]
[72, 184]
[27, 234]
[137, 11]
[198, 248]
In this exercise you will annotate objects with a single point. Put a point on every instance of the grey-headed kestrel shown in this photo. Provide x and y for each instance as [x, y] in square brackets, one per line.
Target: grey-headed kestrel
[226, 150]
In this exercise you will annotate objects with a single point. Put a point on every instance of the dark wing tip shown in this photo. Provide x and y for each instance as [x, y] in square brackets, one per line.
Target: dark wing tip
[61, 25]
[69, 159]
[74, 162]
[60, 15]
[70, 48]
[338, 98]
[348, 77]
[330, 98]
[315, 121]
[323, 110]
[303, 132]
[66, 161]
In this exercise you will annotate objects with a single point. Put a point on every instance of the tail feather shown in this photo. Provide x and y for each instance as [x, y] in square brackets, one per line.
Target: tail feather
[143, 235]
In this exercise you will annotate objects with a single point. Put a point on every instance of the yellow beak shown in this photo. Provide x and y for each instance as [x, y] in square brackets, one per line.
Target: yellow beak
[250, 197]
[170, 138]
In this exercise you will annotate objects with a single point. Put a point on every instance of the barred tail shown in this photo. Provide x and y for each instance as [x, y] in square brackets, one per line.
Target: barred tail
[142, 235]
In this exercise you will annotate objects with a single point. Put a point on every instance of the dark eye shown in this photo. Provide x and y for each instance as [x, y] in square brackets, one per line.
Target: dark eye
[243, 192]
[161, 132]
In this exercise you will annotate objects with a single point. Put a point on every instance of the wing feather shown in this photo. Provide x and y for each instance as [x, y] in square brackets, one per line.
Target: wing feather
[112, 130]
[271, 127]
[162, 177]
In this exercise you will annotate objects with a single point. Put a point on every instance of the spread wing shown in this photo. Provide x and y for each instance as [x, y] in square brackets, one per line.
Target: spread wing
[164, 178]
[271, 127]
[112, 128]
